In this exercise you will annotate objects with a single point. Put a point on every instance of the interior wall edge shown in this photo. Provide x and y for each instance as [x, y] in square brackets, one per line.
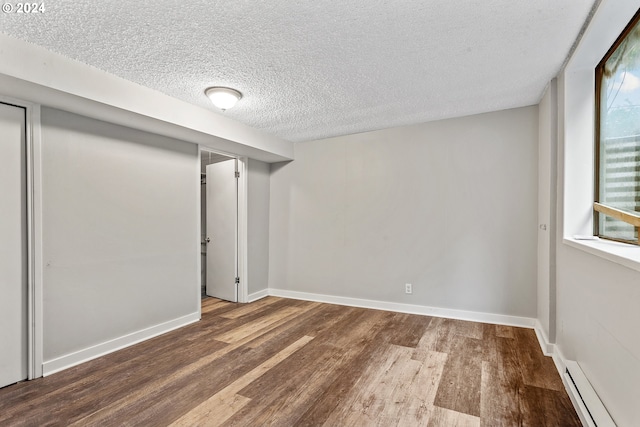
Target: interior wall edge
[547, 347]
[255, 296]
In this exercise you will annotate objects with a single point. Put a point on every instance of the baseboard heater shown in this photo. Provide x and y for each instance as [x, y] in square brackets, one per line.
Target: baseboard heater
[590, 409]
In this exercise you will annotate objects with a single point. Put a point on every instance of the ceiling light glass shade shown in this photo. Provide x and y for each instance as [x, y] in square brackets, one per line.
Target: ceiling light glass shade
[223, 97]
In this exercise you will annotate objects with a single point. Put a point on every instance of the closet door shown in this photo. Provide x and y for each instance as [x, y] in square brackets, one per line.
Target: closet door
[222, 230]
[13, 245]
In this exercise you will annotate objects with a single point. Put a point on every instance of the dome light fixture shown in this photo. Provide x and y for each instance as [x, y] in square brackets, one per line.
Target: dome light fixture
[223, 97]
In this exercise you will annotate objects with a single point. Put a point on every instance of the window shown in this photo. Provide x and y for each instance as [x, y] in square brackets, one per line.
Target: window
[617, 186]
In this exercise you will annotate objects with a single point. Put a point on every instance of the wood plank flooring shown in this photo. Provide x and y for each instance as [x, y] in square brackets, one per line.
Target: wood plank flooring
[280, 362]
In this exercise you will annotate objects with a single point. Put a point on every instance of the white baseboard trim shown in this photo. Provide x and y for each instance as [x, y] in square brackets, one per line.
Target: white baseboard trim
[559, 361]
[258, 295]
[548, 349]
[576, 385]
[498, 319]
[81, 356]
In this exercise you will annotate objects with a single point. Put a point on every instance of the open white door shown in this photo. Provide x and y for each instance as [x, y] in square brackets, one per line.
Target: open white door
[13, 245]
[222, 230]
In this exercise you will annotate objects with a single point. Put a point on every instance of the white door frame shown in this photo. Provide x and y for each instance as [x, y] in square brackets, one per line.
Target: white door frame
[34, 235]
[243, 242]
[242, 220]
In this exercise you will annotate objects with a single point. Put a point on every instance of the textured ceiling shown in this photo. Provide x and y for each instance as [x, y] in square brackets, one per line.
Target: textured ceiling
[315, 69]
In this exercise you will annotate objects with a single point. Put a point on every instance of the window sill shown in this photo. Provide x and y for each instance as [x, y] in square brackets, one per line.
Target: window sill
[620, 253]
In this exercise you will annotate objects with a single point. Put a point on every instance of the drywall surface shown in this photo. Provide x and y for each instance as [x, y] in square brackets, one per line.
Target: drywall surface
[598, 320]
[597, 299]
[258, 225]
[448, 206]
[120, 231]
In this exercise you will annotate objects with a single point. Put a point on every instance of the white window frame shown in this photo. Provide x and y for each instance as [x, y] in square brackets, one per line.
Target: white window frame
[603, 210]
[577, 106]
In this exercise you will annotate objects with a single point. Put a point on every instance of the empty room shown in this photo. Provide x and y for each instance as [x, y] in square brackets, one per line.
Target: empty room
[366, 213]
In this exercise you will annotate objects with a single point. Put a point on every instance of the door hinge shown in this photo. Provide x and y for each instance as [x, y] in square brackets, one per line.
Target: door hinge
[237, 280]
[237, 174]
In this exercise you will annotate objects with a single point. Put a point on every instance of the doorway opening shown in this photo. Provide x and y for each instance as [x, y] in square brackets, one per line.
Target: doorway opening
[221, 213]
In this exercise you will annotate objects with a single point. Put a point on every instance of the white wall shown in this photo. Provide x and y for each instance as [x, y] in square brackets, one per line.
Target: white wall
[598, 319]
[258, 225]
[449, 206]
[597, 299]
[120, 233]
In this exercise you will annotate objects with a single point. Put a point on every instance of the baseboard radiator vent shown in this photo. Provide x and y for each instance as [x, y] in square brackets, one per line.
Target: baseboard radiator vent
[590, 409]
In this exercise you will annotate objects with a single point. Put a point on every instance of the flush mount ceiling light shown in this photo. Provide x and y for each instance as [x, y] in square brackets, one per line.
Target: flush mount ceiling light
[223, 97]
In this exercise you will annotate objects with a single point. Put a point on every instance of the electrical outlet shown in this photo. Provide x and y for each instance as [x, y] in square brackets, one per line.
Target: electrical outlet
[407, 288]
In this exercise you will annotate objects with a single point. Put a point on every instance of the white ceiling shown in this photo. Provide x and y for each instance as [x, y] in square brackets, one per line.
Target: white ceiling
[315, 69]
